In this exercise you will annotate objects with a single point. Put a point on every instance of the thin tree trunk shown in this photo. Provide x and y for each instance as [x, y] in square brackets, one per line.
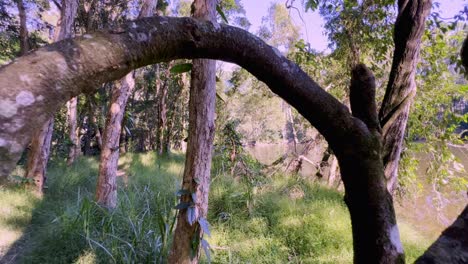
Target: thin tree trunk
[401, 88]
[67, 21]
[333, 170]
[289, 131]
[24, 38]
[75, 148]
[168, 132]
[162, 115]
[38, 155]
[93, 122]
[106, 190]
[162, 112]
[196, 178]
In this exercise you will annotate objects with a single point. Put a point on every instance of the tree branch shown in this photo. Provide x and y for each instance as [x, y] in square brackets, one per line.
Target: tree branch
[38, 84]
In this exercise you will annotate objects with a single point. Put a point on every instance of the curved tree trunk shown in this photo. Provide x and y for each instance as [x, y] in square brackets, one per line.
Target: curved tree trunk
[109, 55]
[196, 178]
[401, 87]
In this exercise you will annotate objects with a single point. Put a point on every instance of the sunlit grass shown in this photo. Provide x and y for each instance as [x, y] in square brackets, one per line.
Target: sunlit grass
[263, 220]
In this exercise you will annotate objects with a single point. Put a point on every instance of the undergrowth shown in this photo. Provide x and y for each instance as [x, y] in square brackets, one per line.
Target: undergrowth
[253, 220]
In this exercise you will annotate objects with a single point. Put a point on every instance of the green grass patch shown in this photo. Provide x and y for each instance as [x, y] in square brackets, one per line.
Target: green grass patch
[263, 220]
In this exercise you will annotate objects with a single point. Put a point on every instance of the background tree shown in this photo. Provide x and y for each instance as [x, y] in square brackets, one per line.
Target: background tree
[106, 190]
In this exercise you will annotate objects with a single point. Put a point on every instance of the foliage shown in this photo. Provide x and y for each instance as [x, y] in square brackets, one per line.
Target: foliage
[278, 29]
[433, 119]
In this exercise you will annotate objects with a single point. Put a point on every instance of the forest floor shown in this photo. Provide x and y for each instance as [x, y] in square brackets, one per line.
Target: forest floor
[281, 219]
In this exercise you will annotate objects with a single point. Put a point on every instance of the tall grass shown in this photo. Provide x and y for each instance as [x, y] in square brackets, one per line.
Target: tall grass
[263, 220]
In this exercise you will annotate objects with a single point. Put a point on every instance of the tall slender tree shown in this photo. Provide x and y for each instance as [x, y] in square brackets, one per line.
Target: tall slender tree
[23, 34]
[196, 180]
[106, 190]
[73, 132]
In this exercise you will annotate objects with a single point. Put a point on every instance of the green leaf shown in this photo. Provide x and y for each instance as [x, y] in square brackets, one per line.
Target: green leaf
[312, 5]
[205, 226]
[221, 13]
[181, 68]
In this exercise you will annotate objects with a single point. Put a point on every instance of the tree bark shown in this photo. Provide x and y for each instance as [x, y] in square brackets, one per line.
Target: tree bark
[376, 237]
[24, 38]
[173, 114]
[199, 150]
[38, 155]
[332, 170]
[289, 131]
[106, 190]
[162, 112]
[401, 87]
[75, 148]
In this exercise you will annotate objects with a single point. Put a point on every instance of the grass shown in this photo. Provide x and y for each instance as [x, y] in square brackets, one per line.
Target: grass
[263, 220]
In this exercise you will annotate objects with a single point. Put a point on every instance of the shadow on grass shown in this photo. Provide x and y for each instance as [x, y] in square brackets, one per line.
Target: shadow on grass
[66, 226]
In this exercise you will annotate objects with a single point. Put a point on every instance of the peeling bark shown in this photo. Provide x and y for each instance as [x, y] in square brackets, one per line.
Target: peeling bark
[401, 87]
[199, 149]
